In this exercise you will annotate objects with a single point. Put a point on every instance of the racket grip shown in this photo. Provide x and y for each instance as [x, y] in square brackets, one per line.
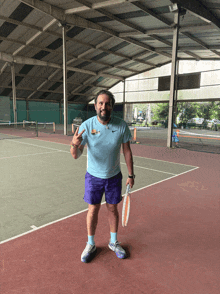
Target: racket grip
[128, 188]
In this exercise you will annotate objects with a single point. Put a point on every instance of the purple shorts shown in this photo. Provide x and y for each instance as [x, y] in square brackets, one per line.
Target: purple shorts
[96, 187]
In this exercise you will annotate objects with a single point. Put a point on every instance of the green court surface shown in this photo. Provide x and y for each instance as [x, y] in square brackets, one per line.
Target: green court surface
[41, 182]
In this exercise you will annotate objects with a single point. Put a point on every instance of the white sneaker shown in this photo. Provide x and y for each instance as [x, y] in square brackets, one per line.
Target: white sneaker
[88, 253]
[116, 247]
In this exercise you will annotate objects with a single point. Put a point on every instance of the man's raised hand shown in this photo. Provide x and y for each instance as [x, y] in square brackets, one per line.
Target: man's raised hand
[77, 137]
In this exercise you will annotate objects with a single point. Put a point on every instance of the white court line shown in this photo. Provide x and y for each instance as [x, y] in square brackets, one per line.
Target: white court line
[37, 145]
[29, 154]
[66, 217]
[86, 155]
[58, 150]
[164, 161]
[196, 134]
[159, 171]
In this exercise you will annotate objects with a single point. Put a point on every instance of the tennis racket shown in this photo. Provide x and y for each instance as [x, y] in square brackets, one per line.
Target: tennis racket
[126, 207]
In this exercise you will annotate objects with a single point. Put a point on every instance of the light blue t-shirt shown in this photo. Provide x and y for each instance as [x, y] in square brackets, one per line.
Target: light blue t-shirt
[104, 143]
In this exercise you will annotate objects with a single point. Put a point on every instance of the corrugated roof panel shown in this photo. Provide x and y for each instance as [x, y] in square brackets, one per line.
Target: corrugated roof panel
[45, 40]
[8, 47]
[128, 12]
[64, 4]
[40, 19]
[5, 79]
[158, 4]
[7, 7]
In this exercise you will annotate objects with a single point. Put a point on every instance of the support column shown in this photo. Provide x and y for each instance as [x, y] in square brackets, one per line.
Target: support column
[14, 92]
[65, 95]
[27, 110]
[60, 112]
[87, 111]
[173, 81]
[124, 110]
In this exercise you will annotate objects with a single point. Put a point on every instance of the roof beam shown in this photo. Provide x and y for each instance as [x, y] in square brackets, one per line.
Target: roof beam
[112, 16]
[199, 9]
[147, 47]
[76, 20]
[192, 48]
[165, 21]
[96, 6]
[170, 44]
[31, 61]
[31, 89]
[53, 80]
[201, 43]
[92, 47]
[59, 14]
[57, 52]
[165, 31]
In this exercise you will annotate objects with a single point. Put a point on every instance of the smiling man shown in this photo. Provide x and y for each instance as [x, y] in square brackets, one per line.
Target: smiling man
[104, 135]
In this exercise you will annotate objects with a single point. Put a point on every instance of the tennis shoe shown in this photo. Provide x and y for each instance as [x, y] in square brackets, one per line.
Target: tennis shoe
[116, 247]
[88, 253]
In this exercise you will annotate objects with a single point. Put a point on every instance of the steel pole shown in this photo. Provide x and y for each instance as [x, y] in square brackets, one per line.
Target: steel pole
[124, 99]
[65, 95]
[14, 92]
[173, 81]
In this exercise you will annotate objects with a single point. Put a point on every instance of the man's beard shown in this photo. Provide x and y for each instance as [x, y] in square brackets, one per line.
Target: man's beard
[104, 117]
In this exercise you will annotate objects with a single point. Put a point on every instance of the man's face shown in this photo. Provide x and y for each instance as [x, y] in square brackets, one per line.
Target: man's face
[103, 107]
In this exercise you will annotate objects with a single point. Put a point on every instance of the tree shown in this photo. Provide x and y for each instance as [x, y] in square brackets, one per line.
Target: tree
[160, 111]
[187, 111]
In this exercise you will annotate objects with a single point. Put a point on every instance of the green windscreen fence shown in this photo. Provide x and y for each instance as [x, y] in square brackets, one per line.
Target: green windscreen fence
[48, 112]
[4, 108]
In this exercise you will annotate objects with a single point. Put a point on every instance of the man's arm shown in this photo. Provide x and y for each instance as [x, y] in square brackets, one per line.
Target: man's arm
[129, 161]
[76, 149]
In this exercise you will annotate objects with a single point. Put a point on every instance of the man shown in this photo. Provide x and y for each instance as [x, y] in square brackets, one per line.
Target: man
[104, 135]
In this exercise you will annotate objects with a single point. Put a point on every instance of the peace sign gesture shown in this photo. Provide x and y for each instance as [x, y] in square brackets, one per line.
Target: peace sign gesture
[77, 137]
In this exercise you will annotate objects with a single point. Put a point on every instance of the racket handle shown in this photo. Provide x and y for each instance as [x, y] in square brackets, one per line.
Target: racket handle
[128, 188]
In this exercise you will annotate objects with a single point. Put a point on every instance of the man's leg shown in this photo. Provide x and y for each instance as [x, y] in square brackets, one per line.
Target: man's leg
[92, 220]
[113, 217]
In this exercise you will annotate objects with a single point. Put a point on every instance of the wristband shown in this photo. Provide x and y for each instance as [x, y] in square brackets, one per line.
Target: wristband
[74, 146]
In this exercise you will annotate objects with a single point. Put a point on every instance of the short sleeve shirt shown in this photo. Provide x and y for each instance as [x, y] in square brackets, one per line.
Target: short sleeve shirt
[104, 143]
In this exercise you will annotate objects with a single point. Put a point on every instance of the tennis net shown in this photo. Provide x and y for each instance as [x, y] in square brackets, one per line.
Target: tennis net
[25, 129]
[195, 140]
[203, 140]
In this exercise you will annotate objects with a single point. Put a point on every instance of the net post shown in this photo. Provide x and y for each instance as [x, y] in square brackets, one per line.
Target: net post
[73, 128]
[36, 129]
[24, 124]
[135, 134]
[54, 127]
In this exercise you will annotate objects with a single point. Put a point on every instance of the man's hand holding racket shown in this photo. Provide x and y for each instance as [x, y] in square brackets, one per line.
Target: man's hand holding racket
[130, 182]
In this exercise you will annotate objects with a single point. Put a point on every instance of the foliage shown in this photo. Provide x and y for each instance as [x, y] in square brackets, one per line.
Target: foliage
[188, 110]
[160, 111]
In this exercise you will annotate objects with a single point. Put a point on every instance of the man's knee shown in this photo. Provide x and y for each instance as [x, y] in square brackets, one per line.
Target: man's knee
[94, 209]
[112, 208]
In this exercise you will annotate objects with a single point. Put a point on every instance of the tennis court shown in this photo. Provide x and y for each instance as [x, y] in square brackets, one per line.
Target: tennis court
[170, 239]
[201, 140]
[41, 183]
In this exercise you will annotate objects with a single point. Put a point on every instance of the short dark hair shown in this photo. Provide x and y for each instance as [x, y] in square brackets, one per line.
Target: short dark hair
[109, 94]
